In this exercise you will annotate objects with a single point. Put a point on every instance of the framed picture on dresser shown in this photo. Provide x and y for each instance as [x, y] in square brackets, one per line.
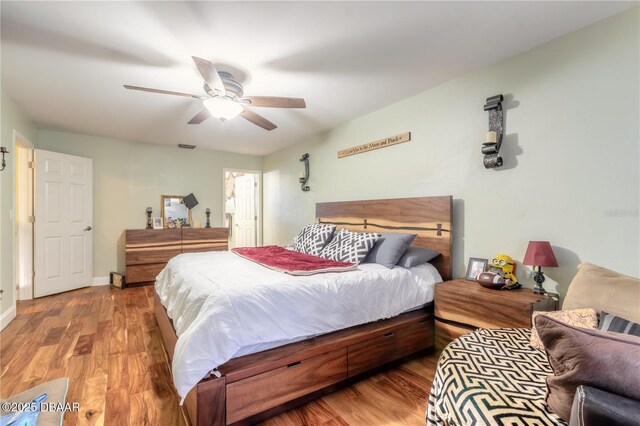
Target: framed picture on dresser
[157, 223]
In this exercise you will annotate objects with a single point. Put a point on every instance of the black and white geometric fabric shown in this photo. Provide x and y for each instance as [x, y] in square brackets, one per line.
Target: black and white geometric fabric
[491, 377]
[347, 246]
[312, 239]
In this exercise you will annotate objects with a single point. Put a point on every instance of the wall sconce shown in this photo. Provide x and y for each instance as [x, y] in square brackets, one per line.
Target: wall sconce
[4, 151]
[149, 211]
[491, 147]
[304, 177]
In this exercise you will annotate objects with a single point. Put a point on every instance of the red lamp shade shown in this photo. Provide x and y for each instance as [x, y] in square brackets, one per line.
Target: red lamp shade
[539, 253]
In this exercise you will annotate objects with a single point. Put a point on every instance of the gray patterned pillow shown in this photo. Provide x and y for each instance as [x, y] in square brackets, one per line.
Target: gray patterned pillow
[349, 246]
[312, 239]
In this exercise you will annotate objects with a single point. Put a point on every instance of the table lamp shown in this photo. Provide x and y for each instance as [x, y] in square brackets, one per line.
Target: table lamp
[539, 253]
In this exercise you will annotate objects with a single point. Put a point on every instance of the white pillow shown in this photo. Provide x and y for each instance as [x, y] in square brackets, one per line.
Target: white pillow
[349, 246]
[312, 239]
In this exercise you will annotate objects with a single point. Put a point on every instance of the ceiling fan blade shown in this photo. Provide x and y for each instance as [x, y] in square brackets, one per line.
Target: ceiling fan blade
[210, 74]
[164, 92]
[200, 117]
[274, 102]
[257, 119]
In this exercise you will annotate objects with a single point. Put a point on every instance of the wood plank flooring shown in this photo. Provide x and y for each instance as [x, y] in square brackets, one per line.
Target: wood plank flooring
[107, 342]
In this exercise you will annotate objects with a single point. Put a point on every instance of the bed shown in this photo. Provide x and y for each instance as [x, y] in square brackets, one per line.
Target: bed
[254, 380]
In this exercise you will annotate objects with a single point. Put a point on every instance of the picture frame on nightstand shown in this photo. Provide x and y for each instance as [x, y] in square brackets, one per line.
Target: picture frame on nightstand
[475, 267]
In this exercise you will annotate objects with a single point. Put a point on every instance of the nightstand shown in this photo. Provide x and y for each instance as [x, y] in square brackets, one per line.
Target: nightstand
[461, 306]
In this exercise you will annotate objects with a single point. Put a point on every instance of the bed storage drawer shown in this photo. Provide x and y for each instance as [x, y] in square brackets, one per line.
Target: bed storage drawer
[259, 393]
[389, 347]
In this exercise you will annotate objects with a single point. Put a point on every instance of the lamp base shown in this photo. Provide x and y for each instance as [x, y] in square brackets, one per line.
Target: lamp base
[539, 279]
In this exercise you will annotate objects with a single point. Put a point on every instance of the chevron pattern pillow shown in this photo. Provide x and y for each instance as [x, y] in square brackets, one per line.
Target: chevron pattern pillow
[312, 239]
[349, 246]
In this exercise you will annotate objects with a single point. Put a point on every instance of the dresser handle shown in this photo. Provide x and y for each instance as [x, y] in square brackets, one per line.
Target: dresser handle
[389, 334]
[293, 364]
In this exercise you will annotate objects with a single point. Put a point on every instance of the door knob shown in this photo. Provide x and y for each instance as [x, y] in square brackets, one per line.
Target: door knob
[88, 228]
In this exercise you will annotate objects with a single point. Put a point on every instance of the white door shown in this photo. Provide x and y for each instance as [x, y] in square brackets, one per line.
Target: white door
[63, 237]
[245, 216]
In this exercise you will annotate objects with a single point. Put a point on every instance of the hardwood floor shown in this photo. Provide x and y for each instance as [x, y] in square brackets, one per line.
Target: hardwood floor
[106, 341]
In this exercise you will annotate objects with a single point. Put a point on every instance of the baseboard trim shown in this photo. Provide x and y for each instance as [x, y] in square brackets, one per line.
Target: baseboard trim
[100, 281]
[7, 317]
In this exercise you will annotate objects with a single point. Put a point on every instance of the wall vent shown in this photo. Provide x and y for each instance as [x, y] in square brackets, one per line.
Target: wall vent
[186, 146]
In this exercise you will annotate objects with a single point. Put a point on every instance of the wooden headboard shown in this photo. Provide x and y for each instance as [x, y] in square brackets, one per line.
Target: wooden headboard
[429, 217]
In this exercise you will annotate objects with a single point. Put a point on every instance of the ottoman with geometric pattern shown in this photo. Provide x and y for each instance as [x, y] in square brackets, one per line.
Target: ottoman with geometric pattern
[491, 377]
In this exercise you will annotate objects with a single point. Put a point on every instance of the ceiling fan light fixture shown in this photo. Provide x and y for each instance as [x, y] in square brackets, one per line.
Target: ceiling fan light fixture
[222, 108]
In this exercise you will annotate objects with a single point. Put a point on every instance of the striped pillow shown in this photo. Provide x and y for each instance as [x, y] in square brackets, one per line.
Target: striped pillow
[610, 322]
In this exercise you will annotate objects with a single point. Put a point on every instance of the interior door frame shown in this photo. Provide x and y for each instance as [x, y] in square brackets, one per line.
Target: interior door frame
[21, 249]
[258, 174]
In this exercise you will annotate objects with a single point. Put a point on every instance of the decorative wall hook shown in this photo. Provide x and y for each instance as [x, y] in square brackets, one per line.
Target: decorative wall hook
[4, 151]
[304, 177]
[491, 148]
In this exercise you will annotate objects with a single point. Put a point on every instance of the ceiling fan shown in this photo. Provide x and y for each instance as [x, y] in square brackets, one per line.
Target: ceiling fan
[225, 97]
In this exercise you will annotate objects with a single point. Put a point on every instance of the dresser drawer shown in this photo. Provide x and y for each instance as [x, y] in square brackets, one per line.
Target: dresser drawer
[143, 273]
[466, 302]
[152, 237]
[258, 393]
[491, 311]
[388, 347]
[196, 240]
[159, 254]
[202, 247]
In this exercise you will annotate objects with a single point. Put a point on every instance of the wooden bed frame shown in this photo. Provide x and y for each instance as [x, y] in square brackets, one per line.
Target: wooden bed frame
[258, 386]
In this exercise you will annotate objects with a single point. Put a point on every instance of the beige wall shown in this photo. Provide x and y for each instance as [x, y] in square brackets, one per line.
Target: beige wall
[11, 118]
[571, 152]
[129, 176]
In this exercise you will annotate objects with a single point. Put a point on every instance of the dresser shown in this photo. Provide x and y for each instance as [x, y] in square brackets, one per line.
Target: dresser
[462, 306]
[147, 251]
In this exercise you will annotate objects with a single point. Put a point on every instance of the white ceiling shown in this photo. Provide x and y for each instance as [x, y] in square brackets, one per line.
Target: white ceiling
[65, 62]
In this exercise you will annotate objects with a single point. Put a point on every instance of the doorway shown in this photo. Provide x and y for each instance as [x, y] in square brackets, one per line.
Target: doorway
[242, 209]
[24, 218]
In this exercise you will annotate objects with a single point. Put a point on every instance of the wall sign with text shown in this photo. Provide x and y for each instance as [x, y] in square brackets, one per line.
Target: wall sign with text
[382, 143]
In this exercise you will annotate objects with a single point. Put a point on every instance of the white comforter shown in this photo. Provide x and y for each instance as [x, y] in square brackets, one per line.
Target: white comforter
[224, 306]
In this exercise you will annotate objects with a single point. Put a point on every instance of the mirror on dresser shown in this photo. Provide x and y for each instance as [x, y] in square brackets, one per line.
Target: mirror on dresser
[175, 213]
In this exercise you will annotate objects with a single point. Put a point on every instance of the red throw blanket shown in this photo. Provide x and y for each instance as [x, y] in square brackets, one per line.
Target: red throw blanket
[292, 262]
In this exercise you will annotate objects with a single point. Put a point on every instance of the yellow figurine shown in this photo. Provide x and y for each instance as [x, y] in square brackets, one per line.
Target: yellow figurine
[506, 267]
